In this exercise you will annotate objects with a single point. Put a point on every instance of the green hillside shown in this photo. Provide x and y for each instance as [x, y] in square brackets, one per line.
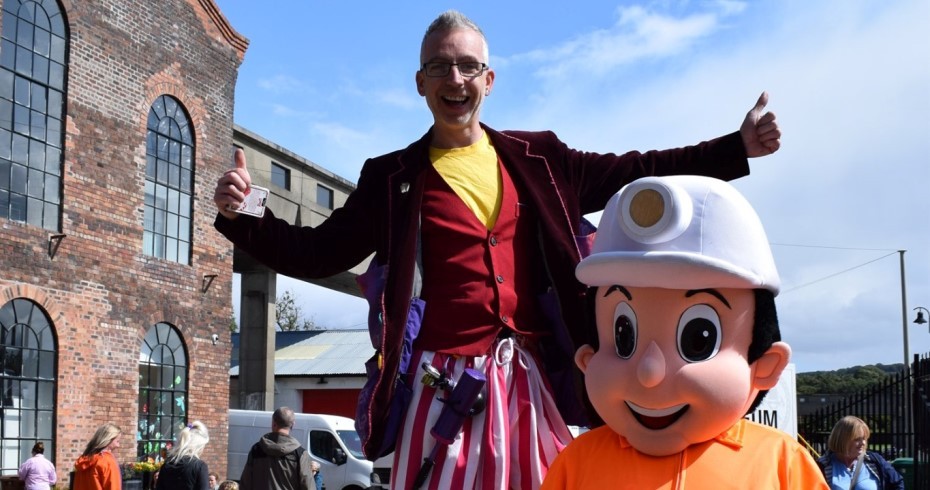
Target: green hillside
[844, 381]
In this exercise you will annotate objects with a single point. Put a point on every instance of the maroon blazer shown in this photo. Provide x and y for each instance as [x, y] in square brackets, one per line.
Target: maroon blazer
[381, 217]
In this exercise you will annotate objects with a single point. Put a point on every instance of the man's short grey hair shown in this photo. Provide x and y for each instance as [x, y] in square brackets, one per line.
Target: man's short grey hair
[283, 417]
[452, 19]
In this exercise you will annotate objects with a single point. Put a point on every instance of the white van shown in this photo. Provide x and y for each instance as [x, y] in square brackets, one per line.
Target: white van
[381, 472]
[330, 440]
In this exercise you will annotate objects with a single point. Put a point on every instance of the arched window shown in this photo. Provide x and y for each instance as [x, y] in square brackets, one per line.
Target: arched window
[27, 382]
[32, 101]
[169, 181]
[162, 389]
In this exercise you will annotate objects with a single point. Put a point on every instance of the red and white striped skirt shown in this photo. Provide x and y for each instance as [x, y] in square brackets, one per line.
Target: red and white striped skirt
[510, 444]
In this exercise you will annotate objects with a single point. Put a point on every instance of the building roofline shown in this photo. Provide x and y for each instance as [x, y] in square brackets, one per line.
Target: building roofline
[239, 42]
[255, 139]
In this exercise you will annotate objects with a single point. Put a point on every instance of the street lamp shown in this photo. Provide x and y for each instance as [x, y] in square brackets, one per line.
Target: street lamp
[920, 320]
[907, 361]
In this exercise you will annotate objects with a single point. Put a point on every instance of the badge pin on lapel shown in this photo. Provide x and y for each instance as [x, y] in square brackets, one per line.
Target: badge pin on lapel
[404, 187]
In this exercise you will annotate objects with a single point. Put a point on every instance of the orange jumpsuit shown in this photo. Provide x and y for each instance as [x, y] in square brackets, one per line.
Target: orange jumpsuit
[748, 455]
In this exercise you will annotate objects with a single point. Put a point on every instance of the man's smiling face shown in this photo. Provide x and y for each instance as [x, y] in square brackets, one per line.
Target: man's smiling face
[671, 367]
[454, 100]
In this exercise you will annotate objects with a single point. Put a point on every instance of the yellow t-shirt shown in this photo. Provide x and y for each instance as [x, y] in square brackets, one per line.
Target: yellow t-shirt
[473, 173]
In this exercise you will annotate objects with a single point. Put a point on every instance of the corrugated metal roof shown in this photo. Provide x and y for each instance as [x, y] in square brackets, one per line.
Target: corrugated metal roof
[281, 340]
[329, 353]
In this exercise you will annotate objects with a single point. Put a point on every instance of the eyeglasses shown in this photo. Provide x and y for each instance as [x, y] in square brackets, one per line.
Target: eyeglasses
[467, 69]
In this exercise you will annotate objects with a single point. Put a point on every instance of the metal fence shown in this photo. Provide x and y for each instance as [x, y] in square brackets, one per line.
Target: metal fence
[920, 372]
[898, 413]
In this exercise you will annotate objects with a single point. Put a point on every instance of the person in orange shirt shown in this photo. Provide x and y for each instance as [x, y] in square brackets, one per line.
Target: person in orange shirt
[97, 468]
[683, 287]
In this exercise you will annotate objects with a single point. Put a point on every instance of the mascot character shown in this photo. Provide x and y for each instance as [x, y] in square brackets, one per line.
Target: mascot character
[683, 289]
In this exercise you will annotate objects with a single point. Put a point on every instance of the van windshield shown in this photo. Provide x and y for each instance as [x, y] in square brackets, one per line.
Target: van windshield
[352, 441]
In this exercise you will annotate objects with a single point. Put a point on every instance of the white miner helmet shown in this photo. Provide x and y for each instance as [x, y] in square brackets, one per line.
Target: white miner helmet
[680, 232]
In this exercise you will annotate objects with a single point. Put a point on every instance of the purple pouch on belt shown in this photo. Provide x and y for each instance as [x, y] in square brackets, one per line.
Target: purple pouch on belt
[372, 285]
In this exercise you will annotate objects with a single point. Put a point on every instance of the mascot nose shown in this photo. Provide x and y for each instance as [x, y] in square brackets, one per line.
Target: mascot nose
[651, 369]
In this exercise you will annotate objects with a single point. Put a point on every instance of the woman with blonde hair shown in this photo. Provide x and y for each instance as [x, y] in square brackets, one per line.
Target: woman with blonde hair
[97, 468]
[848, 465]
[183, 468]
[231, 485]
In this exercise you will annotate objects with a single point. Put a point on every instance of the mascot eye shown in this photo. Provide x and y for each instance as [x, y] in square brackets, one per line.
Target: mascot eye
[698, 333]
[624, 330]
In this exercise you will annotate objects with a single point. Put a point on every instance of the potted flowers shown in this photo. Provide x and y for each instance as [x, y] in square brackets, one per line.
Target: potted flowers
[142, 470]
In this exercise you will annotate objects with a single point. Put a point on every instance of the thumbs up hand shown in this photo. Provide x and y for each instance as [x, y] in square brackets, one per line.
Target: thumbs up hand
[232, 187]
[760, 131]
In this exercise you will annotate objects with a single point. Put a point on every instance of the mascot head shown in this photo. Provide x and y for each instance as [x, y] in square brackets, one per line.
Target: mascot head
[683, 285]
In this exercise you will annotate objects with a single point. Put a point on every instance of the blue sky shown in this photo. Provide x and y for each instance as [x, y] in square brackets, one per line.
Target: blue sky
[848, 79]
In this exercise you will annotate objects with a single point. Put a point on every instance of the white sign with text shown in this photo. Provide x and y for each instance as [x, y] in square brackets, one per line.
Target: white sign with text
[779, 408]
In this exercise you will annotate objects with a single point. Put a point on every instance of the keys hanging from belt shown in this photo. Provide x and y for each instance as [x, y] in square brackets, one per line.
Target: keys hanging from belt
[440, 380]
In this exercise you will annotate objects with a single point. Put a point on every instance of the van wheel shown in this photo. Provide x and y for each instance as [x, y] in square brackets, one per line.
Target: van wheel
[353, 487]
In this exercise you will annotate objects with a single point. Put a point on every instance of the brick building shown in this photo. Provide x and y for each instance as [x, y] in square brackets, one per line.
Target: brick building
[116, 119]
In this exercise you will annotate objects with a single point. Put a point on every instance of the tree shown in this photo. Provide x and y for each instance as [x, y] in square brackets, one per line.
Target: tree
[288, 314]
[844, 381]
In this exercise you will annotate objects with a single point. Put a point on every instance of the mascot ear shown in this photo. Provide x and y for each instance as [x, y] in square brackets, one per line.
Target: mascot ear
[767, 369]
[583, 356]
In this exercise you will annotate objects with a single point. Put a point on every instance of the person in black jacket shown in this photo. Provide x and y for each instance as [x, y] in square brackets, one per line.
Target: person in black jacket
[847, 446]
[183, 468]
[277, 461]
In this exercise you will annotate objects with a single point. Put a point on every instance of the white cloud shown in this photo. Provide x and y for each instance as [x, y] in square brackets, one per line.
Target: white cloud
[326, 308]
[638, 34]
[730, 7]
[339, 134]
[402, 98]
[289, 112]
[281, 84]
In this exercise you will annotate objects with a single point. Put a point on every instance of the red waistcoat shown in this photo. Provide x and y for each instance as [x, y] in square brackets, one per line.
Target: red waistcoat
[476, 282]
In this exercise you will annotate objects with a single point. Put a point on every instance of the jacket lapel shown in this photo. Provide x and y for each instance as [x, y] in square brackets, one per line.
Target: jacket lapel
[537, 177]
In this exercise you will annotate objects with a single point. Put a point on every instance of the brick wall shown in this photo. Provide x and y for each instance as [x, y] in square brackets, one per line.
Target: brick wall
[101, 292]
